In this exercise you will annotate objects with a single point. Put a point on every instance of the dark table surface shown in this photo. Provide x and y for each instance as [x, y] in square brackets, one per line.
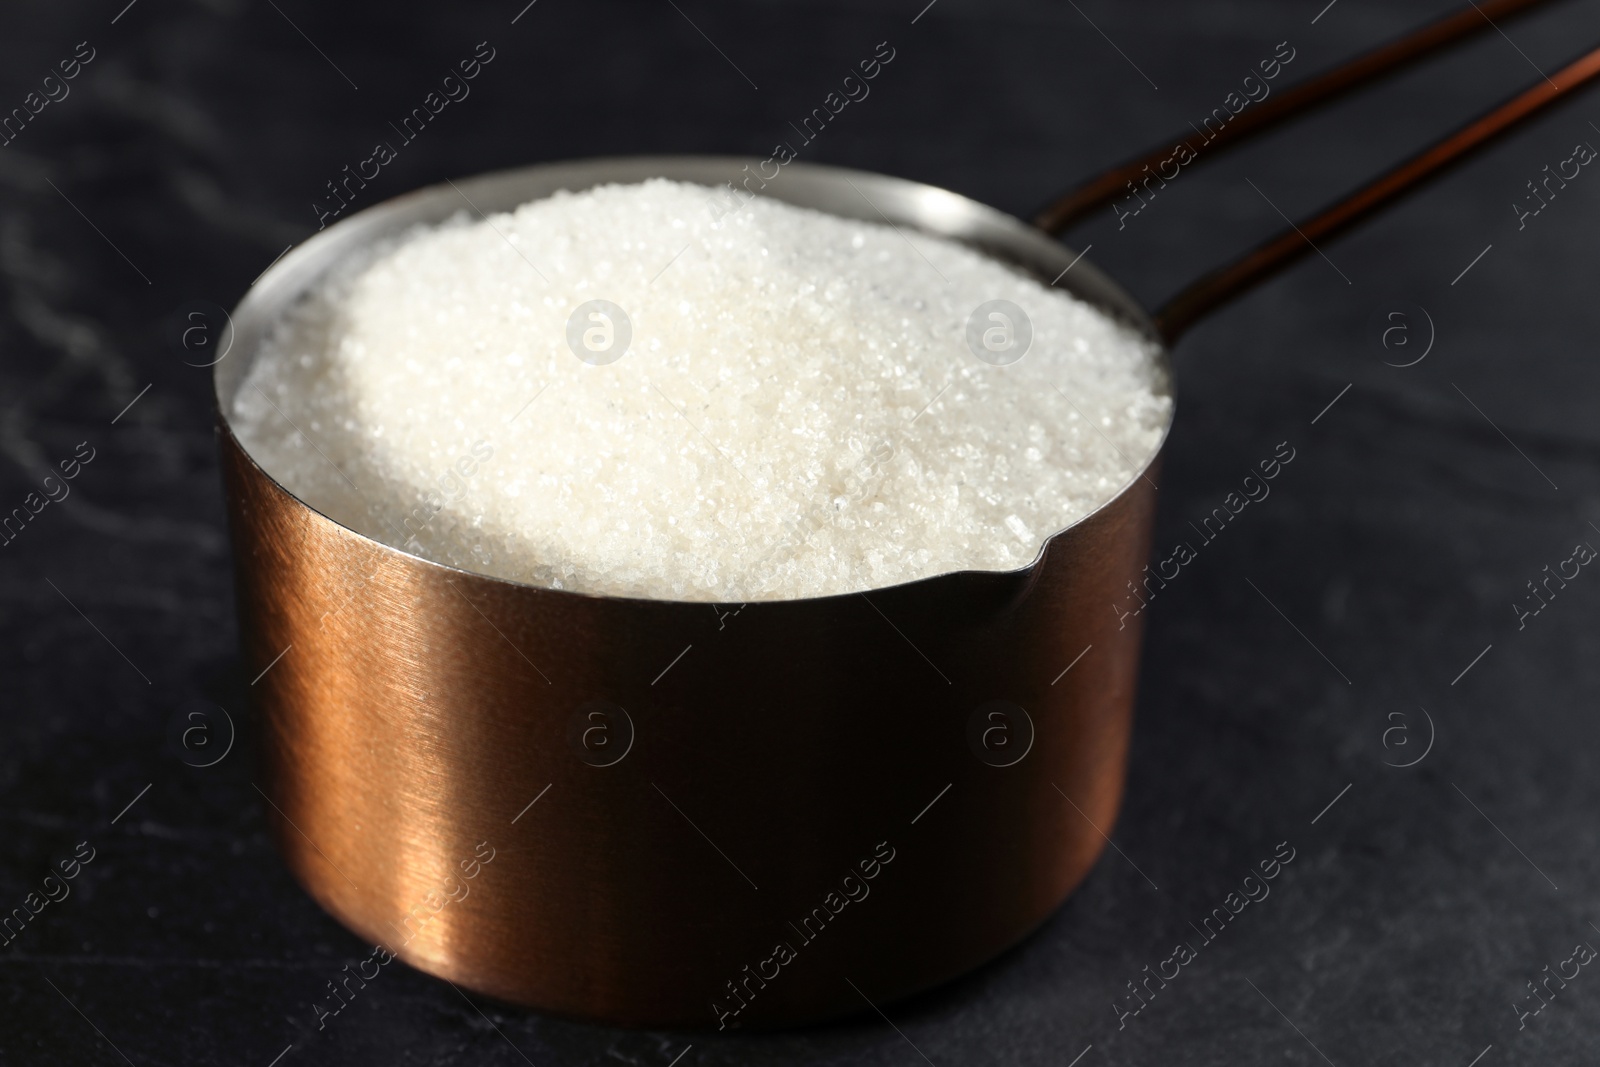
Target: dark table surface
[1323, 640]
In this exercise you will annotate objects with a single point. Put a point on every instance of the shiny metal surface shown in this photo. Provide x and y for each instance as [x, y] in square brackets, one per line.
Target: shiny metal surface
[439, 782]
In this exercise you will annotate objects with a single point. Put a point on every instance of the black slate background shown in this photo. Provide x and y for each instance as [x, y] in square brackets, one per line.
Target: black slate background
[1417, 906]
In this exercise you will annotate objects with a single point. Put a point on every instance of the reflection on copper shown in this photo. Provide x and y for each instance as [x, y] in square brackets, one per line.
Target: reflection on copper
[796, 736]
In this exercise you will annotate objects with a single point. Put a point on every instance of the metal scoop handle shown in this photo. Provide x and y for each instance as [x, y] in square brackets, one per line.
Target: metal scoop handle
[1226, 282]
[1114, 184]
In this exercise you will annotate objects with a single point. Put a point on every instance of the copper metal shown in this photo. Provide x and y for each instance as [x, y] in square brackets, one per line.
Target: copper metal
[1292, 103]
[417, 719]
[1228, 282]
[411, 711]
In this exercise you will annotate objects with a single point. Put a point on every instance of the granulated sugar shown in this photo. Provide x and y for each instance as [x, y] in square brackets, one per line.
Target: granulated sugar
[798, 411]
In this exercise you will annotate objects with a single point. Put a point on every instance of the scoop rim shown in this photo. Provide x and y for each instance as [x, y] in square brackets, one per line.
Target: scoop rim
[298, 269]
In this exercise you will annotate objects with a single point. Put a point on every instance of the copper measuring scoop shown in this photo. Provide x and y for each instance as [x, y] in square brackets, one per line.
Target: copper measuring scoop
[681, 814]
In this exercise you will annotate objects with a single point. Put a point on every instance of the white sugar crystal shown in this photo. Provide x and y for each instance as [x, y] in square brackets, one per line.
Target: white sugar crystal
[797, 413]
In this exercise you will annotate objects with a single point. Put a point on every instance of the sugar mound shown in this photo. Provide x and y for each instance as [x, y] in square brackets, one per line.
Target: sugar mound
[798, 411]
